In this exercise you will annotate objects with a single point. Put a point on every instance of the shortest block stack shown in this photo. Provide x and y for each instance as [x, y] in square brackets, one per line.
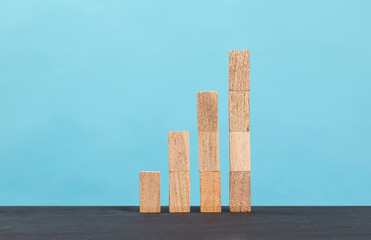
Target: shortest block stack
[179, 172]
[239, 132]
[149, 192]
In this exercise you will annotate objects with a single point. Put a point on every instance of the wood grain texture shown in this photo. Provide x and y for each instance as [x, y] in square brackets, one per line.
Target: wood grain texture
[239, 151]
[239, 192]
[239, 111]
[179, 192]
[178, 151]
[207, 111]
[149, 191]
[239, 70]
[210, 192]
[208, 151]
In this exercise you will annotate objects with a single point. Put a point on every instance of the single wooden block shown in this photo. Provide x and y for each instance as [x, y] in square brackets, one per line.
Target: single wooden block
[239, 192]
[239, 111]
[210, 192]
[149, 191]
[207, 111]
[208, 151]
[239, 71]
[239, 151]
[179, 192]
[178, 151]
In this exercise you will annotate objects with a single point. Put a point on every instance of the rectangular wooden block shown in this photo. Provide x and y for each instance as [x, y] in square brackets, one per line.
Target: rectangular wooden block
[239, 111]
[178, 151]
[239, 151]
[179, 192]
[239, 70]
[210, 192]
[208, 151]
[207, 111]
[239, 192]
[149, 192]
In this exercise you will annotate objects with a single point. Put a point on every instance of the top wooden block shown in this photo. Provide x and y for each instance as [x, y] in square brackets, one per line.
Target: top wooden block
[207, 111]
[178, 151]
[239, 71]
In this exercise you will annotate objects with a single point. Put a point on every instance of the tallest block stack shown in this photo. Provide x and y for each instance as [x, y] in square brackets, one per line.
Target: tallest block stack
[239, 131]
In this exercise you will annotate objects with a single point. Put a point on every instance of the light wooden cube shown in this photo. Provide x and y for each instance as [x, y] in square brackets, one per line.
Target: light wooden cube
[239, 70]
[239, 151]
[207, 111]
[179, 192]
[208, 151]
[210, 192]
[239, 192]
[239, 111]
[178, 151]
[149, 191]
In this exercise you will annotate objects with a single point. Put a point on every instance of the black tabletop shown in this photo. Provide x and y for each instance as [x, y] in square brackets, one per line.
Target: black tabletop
[112, 223]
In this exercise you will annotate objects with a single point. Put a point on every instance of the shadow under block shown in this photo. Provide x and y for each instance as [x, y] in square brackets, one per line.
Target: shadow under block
[207, 111]
[239, 192]
[239, 151]
[208, 151]
[239, 111]
[210, 192]
[179, 192]
[178, 151]
[149, 191]
[239, 70]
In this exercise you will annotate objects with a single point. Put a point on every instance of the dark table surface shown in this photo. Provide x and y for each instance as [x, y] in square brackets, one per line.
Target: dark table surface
[112, 223]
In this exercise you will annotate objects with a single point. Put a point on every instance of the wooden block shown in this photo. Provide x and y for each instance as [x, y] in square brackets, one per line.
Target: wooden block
[239, 111]
[239, 192]
[149, 191]
[207, 111]
[179, 192]
[178, 151]
[239, 151]
[239, 71]
[210, 192]
[208, 151]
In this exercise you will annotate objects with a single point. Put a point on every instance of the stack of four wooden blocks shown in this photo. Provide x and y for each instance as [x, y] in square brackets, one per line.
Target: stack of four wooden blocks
[239, 132]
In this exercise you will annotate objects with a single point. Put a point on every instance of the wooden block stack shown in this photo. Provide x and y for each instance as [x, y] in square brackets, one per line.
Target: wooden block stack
[149, 192]
[208, 151]
[179, 172]
[239, 131]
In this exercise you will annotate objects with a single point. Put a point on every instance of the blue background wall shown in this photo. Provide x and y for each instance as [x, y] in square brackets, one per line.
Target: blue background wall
[89, 90]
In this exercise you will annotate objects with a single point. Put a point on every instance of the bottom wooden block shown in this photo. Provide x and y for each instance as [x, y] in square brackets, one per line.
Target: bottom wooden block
[179, 192]
[239, 192]
[210, 192]
[149, 192]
